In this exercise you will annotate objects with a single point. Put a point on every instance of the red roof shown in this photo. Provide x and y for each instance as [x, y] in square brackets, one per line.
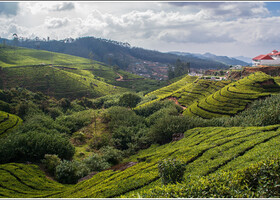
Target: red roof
[263, 57]
[274, 52]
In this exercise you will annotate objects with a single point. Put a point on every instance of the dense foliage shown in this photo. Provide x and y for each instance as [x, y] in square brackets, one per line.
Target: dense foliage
[171, 171]
[33, 145]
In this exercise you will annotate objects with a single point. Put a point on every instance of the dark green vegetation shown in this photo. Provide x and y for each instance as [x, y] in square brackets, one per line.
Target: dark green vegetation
[178, 69]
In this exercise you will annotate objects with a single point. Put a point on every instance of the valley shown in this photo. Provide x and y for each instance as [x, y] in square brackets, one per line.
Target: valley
[75, 127]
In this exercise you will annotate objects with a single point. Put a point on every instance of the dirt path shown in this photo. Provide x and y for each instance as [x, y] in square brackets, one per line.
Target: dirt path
[176, 101]
[120, 77]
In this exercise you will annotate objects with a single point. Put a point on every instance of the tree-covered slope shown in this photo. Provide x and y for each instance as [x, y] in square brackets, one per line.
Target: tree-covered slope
[205, 152]
[8, 122]
[234, 97]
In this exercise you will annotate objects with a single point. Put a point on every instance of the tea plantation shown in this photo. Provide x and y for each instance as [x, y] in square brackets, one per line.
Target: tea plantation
[234, 97]
[56, 82]
[206, 152]
[8, 122]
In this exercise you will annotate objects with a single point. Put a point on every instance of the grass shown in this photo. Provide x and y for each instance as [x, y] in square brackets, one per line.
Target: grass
[8, 122]
[234, 97]
[205, 151]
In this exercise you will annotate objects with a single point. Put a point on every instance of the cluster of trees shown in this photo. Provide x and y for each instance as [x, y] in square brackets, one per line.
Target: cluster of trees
[180, 68]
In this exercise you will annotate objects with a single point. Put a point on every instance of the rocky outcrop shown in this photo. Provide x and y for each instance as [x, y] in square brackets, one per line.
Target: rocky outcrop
[270, 70]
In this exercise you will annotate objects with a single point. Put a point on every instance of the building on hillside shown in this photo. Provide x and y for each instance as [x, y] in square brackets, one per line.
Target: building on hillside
[272, 58]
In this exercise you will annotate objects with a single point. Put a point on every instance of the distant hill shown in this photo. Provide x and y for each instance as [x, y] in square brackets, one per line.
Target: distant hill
[244, 59]
[137, 60]
[221, 59]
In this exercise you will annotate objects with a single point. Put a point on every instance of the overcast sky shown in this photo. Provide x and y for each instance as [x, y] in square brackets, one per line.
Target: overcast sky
[223, 28]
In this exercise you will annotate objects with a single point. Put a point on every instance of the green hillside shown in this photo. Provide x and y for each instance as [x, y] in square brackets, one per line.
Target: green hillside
[18, 56]
[17, 63]
[56, 82]
[186, 90]
[167, 91]
[205, 151]
[234, 97]
[8, 122]
[197, 90]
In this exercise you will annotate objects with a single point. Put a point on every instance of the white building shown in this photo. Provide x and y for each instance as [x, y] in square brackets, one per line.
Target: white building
[272, 58]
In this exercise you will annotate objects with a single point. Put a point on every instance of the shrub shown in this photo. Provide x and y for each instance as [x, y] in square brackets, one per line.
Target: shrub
[98, 141]
[40, 123]
[164, 112]
[5, 106]
[120, 116]
[66, 172]
[149, 109]
[79, 138]
[51, 162]
[171, 171]
[111, 155]
[163, 129]
[96, 163]
[54, 112]
[74, 122]
[32, 146]
[129, 100]
[65, 103]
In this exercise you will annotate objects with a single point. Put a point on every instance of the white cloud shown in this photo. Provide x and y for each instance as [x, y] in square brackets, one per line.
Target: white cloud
[162, 26]
[65, 6]
[54, 23]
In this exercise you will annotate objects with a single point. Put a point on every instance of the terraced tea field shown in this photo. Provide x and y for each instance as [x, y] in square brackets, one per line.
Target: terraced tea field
[56, 82]
[167, 91]
[22, 60]
[8, 122]
[205, 151]
[18, 56]
[234, 97]
[197, 90]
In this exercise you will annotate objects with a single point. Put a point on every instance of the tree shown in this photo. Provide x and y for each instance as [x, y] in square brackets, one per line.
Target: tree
[129, 100]
[91, 56]
[15, 39]
[180, 68]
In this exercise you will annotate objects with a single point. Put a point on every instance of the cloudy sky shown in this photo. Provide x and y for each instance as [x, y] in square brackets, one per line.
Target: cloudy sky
[223, 28]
